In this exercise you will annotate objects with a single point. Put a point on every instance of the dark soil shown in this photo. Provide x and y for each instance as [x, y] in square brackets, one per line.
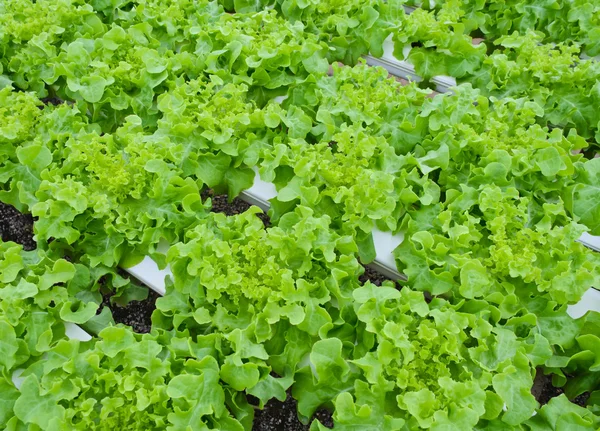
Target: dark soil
[221, 204]
[136, 314]
[582, 399]
[16, 227]
[542, 388]
[283, 416]
[52, 101]
[544, 391]
[373, 276]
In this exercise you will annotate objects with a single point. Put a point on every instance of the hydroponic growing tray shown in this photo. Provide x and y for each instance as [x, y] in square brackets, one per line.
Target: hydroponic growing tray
[467, 173]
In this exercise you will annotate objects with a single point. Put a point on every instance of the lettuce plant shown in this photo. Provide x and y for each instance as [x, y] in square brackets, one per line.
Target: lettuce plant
[121, 379]
[350, 28]
[39, 292]
[572, 21]
[267, 295]
[427, 366]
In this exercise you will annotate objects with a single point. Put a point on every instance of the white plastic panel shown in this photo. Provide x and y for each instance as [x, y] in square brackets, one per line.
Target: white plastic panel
[590, 241]
[260, 192]
[589, 302]
[587, 57]
[147, 272]
[385, 243]
[74, 332]
[17, 379]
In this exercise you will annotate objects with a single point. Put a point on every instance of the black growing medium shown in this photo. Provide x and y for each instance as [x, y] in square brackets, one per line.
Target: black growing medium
[373, 276]
[16, 227]
[283, 416]
[543, 390]
[137, 314]
[221, 204]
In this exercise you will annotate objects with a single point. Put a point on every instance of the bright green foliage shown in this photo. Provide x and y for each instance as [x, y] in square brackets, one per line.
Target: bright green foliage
[573, 21]
[168, 22]
[418, 157]
[103, 193]
[561, 414]
[38, 293]
[117, 69]
[350, 27]
[445, 47]
[121, 380]
[581, 362]
[503, 249]
[268, 294]
[265, 294]
[217, 131]
[21, 167]
[552, 76]
[585, 200]
[342, 178]
[426, 366]
[32, 32]
[441, 42]
[412, 151]
[19, 114]
[516, 58]
[150, 104]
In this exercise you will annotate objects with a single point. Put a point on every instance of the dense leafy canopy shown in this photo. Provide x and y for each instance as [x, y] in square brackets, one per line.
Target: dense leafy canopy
[115, 116]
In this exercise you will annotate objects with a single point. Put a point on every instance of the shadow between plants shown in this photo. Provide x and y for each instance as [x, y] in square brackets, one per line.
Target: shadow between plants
[543, 390]
[137, 314]
[221, 204]
[283, 416]
[16, 227]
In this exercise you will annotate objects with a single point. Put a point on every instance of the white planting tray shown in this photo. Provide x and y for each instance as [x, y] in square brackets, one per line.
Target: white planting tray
[590, 241]
[147, 272]
[589, 301]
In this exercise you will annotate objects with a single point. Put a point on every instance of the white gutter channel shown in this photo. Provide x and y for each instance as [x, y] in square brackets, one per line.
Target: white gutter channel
[259, 194]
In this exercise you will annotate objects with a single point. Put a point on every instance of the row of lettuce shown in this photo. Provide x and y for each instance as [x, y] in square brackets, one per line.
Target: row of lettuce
[255, 311]
[574, 21]
[480, 191]
[433, 168]
[159, 104]
[570, 21]
[520, 48]
[138, 47]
